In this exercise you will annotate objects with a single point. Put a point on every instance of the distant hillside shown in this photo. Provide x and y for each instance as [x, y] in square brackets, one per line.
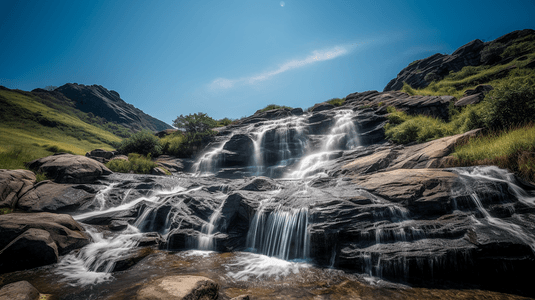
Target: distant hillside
[108, 104]
[40, 123]
[501, 51]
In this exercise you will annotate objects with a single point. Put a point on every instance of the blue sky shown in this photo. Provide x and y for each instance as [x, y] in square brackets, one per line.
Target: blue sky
[230, 58]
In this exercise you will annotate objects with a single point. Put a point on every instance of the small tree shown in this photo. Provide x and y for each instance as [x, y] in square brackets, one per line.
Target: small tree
[195, 123]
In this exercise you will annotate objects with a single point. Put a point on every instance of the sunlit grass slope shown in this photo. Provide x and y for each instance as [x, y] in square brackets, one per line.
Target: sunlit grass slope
[30, 129]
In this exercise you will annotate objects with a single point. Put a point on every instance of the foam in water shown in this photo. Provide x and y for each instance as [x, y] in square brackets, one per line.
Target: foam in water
[249, 266]
[93, 263]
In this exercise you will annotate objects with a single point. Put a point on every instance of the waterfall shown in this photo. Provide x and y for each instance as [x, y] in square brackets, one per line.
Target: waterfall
[206, 238]
[342, 136]
[280, 233]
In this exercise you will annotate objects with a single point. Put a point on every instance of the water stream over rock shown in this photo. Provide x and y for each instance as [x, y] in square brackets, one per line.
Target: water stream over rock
[277, 197]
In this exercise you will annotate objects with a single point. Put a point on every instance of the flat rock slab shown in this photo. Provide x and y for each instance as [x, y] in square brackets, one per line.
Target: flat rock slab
[69, 168]
[180, 288]
[20, 290]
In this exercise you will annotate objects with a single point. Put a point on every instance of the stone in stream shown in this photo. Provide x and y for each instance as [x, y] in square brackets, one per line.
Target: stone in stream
[180, 288]
[20, 290]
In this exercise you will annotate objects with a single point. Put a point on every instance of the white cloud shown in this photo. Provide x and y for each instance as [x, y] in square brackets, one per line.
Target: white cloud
[317, 55]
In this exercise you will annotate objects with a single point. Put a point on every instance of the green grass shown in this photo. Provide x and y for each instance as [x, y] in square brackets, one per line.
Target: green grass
[136, 163]
[30, 130]
[336, 101]
[5, 211]
[512, 149]
[274, 106]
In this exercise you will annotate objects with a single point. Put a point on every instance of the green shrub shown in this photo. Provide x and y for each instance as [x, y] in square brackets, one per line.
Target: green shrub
[136, 163]
[408, 89]
[39, 176]
[274, 106]
[142, 142]
[336, 101]
[518, 49]
[224, 122]
[174, 144]
[5, 211]
[511, 103]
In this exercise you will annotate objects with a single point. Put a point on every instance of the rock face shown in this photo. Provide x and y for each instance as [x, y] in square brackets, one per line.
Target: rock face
[31, 240]
[13, 185]
[69, 168]
[421, 73]
[20, 290]
[180, 288]
[109, 105]
[53, 197]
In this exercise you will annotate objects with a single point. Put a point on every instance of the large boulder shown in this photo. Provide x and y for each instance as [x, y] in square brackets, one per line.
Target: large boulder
[53, 197]
[69, 168]
[66, 233]
[100, 155]
[14, 184]
[180, 288]
[31, 249]
[20, 290]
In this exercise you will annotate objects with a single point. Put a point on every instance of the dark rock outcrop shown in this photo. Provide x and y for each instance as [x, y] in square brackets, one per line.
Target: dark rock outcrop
[108, 104]
[52, 197]
[69, 168]
[421, 73]
[100, 155]
[31, 240]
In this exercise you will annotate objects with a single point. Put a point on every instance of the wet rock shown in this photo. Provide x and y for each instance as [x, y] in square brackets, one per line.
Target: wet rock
[261, 184]
[238, 150]
[13, 185]
[171, 163]
[69, 168]
[31, 249]
[20, 290]
[151, 239]
[64, 231]
[297, 111]
[180, 287]
[53, 197]
[128, 260]
[118, 225]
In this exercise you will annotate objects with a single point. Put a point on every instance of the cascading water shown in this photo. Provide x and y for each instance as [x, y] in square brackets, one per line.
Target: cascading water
[281, 233]
[280, 144]
[206, 237]
[342, 136]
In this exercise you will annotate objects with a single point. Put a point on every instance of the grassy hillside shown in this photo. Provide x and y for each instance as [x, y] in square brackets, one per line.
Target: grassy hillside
[506, 113]
[34, 126]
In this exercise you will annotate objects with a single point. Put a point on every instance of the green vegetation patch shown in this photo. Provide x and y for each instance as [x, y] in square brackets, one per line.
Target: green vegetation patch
[142, 142]
[337, 101]
[512, 149]
[274, 106]
[136, 163]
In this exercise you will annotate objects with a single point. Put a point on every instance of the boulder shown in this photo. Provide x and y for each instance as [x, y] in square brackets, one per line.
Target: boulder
[31, 249]
[261, 184]
[132, 257]
[54, 197]
[13, 185]
[170, 163]
[69, 168]
[20, 290]
[100, 155]
[64, 231]
[433, 154]
[472, 99]
[180, 288]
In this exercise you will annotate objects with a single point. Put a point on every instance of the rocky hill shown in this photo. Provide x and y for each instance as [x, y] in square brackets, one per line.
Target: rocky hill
[108, 104]
[420, 73]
